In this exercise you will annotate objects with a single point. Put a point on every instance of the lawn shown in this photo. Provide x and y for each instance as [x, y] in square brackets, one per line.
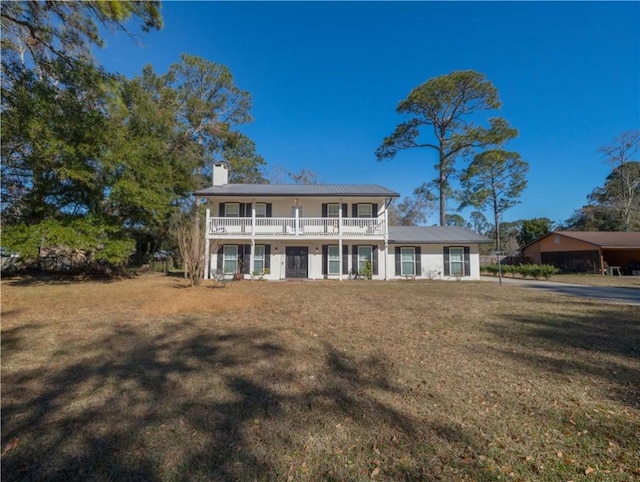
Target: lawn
[598, 280]
[146, 379]
[589, 280]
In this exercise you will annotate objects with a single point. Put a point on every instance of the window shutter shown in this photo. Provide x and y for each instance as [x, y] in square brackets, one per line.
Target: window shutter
[447, 269]
[221, 210]
[325, 258]
[374, 210]
[267, 256]
[467, 263]
[246, 258]
[242, 210]
[324, 210]
[398, 265]
[219, 261]
[354, 210]
[269, 210]
[374, 255]
[345, 259]
[354, 257]
[345, 208]
[418, 262]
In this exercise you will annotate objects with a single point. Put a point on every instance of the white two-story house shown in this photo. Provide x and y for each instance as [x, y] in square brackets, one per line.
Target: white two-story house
[316, 231]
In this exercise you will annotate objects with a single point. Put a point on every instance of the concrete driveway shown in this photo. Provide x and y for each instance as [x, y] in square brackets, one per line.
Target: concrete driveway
[628, 296]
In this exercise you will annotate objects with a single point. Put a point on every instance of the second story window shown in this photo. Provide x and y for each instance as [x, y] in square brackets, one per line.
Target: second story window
[365, 210]
[333, 210]
[261, 210]
[232, 210]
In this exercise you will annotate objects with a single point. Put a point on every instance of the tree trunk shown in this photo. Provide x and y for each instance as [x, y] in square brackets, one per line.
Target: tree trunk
[496, 217]
[443, 187]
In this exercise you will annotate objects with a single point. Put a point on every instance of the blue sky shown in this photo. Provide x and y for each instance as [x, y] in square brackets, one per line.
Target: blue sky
[326, 77]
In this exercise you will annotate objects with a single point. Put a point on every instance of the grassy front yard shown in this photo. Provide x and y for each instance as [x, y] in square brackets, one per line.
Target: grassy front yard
[589, 280]
[145, 379]
[598, 280]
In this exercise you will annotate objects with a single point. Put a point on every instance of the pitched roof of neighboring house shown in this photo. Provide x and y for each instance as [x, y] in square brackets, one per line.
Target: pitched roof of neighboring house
[434, 235]
[604, 239]
[346, 190]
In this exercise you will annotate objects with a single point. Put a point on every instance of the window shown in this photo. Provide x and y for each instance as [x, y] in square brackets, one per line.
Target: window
[408, 261]
[261, 210]
[456, 261]
[333, 210]
[365, 210]
[232, 210]
[230, 259]
[364, 255]
[258, 259]
[334, 260]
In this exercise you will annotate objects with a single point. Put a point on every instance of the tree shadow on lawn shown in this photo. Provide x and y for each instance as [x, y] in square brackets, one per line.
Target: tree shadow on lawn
[15, 338]
[580, 338]
[183, 401]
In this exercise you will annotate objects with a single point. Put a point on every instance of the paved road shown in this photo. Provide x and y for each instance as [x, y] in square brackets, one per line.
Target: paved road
[629, 296]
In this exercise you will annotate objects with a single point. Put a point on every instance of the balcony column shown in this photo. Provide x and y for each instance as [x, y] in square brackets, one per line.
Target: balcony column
[253, 218]
[297, 219]
[207, 259]
[340, 230]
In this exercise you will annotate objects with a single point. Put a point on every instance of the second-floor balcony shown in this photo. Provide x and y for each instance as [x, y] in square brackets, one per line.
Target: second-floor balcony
[219, 227]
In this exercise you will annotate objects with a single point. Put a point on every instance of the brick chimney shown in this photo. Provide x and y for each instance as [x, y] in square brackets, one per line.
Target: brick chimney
[220, 174]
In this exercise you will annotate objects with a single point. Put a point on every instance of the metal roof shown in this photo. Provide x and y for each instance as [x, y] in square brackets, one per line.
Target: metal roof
[604, 239]
[434, 235]
[338, 190]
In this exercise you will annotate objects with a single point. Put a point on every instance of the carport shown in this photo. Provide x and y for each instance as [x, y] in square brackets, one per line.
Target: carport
[587, 251]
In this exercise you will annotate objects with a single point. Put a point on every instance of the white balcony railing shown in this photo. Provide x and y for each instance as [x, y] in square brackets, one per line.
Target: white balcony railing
[302, 227]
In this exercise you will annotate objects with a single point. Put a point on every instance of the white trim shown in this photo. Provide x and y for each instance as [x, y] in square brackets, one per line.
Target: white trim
[370, 205]
[412, 251]
[227, 214]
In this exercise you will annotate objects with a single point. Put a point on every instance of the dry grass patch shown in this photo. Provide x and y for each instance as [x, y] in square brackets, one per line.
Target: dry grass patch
[599, 280]
[144, 379]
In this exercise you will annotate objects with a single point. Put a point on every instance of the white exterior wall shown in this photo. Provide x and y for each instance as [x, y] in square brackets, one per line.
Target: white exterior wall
[432, 261]
[314, 261]
[431, 256]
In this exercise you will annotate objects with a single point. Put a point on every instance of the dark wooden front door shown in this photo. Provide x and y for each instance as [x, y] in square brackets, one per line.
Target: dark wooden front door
[297, 258]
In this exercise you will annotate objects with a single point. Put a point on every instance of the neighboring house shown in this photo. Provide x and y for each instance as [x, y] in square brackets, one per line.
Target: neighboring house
[316, 231]
[587, 251]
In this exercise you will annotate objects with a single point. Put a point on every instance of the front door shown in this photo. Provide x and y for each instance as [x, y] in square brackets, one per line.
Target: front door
[297, 258]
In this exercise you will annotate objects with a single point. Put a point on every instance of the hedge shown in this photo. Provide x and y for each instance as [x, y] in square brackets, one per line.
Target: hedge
[535, 271]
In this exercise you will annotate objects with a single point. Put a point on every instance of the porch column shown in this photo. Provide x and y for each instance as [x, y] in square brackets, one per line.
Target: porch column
[207, 259]
[253, 256]
[386, 237]
[297, 219]
[340, 226]
[340, 257]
